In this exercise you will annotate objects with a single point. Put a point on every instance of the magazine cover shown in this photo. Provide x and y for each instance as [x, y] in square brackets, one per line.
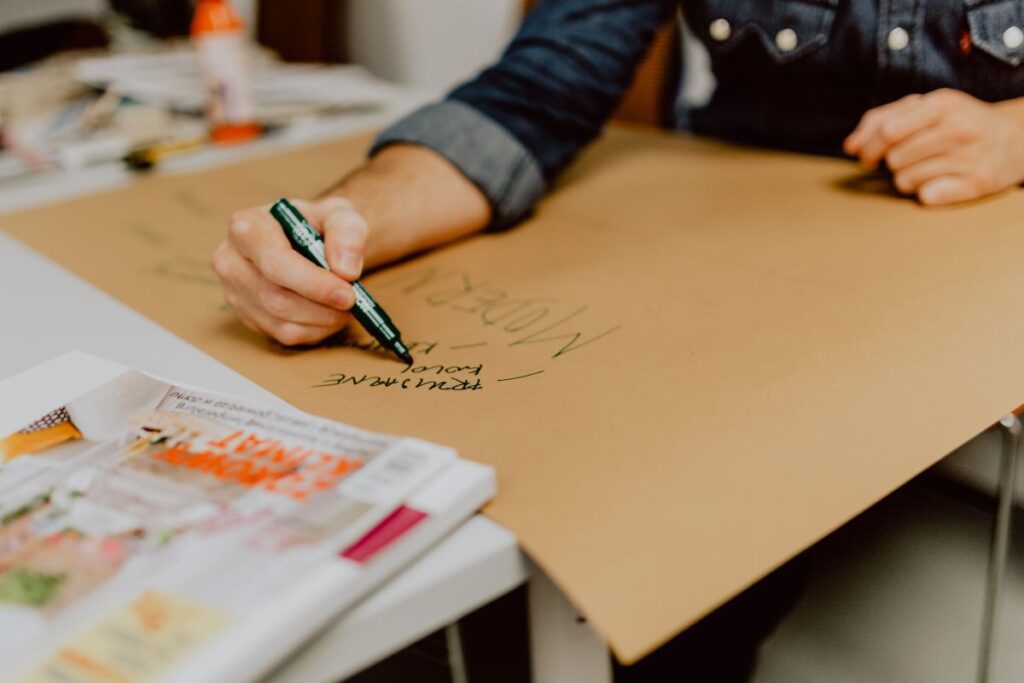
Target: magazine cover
[153, 532]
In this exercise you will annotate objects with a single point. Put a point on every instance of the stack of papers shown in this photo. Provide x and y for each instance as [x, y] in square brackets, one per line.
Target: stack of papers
[173, 79]
[155, 532]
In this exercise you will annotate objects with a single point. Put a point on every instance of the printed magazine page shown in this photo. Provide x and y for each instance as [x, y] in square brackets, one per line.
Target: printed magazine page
[142, 522]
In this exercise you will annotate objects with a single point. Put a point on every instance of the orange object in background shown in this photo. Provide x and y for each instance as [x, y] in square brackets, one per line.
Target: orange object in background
[219, 38]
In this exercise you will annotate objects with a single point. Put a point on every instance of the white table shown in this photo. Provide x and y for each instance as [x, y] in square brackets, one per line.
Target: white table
[46, 311]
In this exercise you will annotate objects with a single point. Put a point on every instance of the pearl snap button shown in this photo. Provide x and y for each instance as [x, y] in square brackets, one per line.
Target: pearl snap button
[1013, 37]
[898, 39]
[720, 30]
[786, 39]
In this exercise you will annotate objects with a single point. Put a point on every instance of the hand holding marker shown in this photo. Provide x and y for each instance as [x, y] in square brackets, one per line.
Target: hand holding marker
[306, 240]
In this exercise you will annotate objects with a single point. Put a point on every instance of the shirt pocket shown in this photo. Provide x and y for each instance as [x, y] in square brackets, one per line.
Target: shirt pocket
[997, 28]
[787, 30]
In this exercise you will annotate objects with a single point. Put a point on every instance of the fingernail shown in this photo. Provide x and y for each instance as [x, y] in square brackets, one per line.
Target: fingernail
[340, 299]
[351, 263]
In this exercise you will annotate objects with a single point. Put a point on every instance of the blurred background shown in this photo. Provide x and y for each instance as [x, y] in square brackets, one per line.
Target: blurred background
[86, 83]
[399, 40]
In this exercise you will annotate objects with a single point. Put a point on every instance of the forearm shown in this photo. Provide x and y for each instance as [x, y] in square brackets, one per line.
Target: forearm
[413, 199]
[515, 126]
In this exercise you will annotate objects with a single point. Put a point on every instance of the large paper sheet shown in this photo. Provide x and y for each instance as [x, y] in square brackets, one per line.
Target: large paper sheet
[694, 362]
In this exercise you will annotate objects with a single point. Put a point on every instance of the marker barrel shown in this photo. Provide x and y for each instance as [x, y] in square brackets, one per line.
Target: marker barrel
[305, 239]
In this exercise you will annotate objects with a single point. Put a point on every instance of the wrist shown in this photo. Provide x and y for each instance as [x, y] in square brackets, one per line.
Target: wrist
[366, 189]
[413, 199]
[1012, 111]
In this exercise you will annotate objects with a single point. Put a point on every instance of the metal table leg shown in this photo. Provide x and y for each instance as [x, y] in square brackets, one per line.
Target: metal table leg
[563, 646]
[456, 655]
[1011, 431]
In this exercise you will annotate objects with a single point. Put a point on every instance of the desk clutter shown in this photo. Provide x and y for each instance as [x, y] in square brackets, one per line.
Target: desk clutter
[172, 79]
[154, 531]
[78, 110]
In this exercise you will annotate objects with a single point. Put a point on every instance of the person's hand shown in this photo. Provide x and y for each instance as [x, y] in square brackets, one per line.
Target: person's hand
[944, 146]
[274, 289]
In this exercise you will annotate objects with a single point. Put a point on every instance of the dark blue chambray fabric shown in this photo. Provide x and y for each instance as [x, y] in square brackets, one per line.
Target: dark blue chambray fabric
[795, 74]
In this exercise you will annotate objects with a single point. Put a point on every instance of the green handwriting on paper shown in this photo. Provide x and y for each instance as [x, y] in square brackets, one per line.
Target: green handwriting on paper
[524, 333]
[184, 268]
[535, 330]
[421, 377]
[561, 328]
[545, 324]
[424, 376]
[403, 383]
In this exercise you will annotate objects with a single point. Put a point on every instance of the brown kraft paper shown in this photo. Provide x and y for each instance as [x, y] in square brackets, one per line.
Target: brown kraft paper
[694, 361]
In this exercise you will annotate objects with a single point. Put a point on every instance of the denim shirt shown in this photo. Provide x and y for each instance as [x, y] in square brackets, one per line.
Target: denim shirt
[794, 74]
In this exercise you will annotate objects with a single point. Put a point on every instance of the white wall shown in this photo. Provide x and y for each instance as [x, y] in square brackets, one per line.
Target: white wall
[430, 44]
[247, 9]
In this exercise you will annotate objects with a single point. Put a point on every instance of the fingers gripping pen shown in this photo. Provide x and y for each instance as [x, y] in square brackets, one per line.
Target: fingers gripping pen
[307, 241]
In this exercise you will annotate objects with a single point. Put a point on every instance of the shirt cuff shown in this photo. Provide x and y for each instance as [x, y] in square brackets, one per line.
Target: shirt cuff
[483, 150]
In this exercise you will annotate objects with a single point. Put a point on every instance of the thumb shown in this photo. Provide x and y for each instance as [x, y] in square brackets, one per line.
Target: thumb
[946, 190]
[345, 233]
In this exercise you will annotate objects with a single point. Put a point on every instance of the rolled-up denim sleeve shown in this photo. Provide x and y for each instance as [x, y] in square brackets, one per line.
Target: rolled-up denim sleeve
[514, 127]
[482, 149]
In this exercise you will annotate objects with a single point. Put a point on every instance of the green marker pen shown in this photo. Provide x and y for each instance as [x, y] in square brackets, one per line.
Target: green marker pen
[306, 240]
